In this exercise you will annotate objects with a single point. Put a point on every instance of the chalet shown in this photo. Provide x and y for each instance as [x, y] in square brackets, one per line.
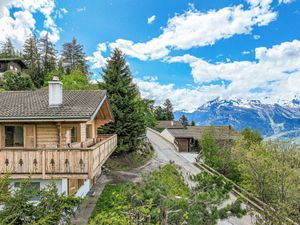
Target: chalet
[51, 135]
[187, 140]
[14, 64]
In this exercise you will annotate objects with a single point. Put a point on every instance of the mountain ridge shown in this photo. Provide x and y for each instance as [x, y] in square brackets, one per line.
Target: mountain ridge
[269, 119]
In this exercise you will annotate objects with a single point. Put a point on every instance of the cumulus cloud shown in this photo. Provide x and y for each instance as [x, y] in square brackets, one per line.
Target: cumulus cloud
[182, 98]
[151, 19]
[21, 23]
[194, 29]
[97, 59]
[276, 72]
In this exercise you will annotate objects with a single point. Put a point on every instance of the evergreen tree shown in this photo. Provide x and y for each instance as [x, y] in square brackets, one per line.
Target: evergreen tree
[48, 55]
[7, 49]
[193, 123]
[184, 121]
[168, 108]
[73, 57]
[160, 113]
[32, 59]
[124, 97]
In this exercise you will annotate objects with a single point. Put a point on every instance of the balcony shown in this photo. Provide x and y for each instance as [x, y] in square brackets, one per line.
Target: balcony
[74, 162]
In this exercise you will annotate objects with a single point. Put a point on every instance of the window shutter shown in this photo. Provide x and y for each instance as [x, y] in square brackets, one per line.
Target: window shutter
[29, 136]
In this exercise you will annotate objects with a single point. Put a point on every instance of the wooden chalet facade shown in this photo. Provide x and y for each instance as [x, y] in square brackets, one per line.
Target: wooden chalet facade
[52, 135]
[14, 64]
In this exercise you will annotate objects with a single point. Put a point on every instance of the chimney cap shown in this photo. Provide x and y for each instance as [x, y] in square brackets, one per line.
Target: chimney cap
[55, 78]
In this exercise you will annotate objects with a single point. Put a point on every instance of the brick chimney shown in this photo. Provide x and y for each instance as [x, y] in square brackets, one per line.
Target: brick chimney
[55, 92]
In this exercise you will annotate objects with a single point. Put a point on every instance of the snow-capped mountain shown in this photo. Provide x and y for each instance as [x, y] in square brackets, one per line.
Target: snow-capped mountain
[269, 119]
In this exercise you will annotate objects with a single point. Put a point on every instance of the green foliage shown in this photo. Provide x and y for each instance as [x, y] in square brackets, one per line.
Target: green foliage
[48, 55]
[160, 113]
[73, 57]
[217, 157]
[168, 108]
[76, 80]
[164, 198]
[13, 81]
[20, 209]
[32, 58]
[7, 49]
[130, 160]
[252, 137]
[127, 107]
[184, 121]
[193, 123]
[271, 172]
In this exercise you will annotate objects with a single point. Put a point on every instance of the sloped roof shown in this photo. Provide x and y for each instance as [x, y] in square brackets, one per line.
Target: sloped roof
[16, 60]
[169, 124]
[220, 132]
[34, 105]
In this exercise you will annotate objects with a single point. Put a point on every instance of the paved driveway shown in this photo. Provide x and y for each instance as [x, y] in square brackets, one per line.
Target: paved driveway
[166, 152]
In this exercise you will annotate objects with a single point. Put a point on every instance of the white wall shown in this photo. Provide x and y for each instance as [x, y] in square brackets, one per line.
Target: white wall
[166, 134]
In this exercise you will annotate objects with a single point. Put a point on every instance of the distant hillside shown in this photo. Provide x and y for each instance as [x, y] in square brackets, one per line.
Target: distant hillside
[276, 120]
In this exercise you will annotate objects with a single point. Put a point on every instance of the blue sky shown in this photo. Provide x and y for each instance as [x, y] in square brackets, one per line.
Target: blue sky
[188, 51]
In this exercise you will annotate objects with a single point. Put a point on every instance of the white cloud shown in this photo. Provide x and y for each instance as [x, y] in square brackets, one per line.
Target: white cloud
[97, 59]
[81, 9]
[276, 72]
[21, 24]
[194, 29]
[245, 52]
[256, 37]
[182, 98]
[151, 19]
[285, 1]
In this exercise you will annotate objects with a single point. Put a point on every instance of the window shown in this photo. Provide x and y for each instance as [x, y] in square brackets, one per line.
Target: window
[73, 134]
[14, 136]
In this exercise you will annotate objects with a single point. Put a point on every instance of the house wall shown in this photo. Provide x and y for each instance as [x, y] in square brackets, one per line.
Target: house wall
[14, 66]
[47, 135]
[183, 144]
[61, 184]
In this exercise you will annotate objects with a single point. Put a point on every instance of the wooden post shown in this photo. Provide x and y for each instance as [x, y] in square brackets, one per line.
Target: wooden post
[43, 163]
[83, 134]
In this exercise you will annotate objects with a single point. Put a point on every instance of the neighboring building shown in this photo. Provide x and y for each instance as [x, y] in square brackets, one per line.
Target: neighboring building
[188, 139]
[13, 64]
[164, 124]
[51, 135]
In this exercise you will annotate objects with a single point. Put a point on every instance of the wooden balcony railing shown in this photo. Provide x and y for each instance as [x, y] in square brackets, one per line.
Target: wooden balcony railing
[79, 163]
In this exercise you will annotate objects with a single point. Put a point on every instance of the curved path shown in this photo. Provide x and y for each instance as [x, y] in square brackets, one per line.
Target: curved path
[166, 151]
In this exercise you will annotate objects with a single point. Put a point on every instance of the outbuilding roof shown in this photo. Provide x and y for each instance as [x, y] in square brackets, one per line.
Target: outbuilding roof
[34, 105]
[169, 124]
[195, 132]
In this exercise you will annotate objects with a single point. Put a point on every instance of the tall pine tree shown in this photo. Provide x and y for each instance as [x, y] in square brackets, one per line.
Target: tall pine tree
[7, 49]
[168, 108]
[48, 55]
[32, 59]
[73, 57]
[124, 97]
